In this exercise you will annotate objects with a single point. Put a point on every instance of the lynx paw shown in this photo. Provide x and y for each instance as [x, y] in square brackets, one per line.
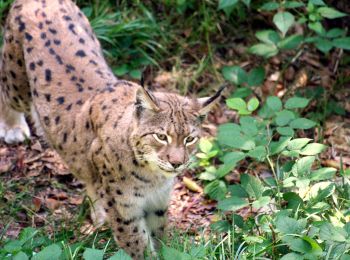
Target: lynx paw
[15, 134]
[98, 217]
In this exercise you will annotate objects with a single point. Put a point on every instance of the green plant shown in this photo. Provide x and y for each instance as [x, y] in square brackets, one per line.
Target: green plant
[303, 212]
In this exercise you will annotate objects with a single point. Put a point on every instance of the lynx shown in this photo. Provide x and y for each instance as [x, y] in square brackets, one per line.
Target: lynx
[123, 142]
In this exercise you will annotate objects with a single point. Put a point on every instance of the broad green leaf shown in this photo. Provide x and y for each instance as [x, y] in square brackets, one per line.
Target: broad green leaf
[298, 143]
[287, 131]
[252, 186]
[121, 70]
[283, 21]
[256, 76]
[313, 149]
[234, 74]
[277, 147]
[205, 145]
[299, 245]
[268, 36]
[13, 246]
[261, 202]
[292, 256]
[324, 45]
[315, 247]
[343, 43]
[320, 191]
[20, 256]
[233, 157]
[264, 50]
[318, 28]
[54, 252]
[258, 153]
[296, 102]
[293, 4]
[242, 93]
[274, 103]
[120, 255]
[329, 232]
[135, 74]
[227, 132]
[294, 200]
[197, 252]
[302, 123]
[216, 189]
[335, 33]
[242, 142]
[221, 226]
[236, 103]
[249, 125]
[236, 190]
[269, 6]
[317, 2]
[223, 4]
[253, 104]
[323, 174]
[303, 165]
[27, 234]
[232, 204]
[284, 117]
[224, 169]
[291, 42]
[171, 253]
[287, 225]
[330, 13]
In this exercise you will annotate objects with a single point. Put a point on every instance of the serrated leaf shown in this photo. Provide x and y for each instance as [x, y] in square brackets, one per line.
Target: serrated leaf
[248, 125]
[256, 76]
[317, 2]
[313, 149]
[253, 104]
[283, 21]
[318, 28]
[299, 245]
[287, 225]
[268, 36]
[296, 102]
[291, 42]
[303, 165]
[329, 232]
[234, 74]
[227, 132]
[293, 4]
[13, 246]
[287, 131]
[343, 43]
[120, 255]
[232, 204]
[252, 186]
[302, 123]
[237, 191]
[216, 189]
[323, 174]
[284, 117]
[330, 13]
[298, 143]
[264, 50]
[233, 157]
[335, 33]
[53, 252]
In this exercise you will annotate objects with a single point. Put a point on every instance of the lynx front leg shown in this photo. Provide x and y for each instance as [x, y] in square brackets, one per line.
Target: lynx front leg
[130, 230]
[98, 213]
[156, 222]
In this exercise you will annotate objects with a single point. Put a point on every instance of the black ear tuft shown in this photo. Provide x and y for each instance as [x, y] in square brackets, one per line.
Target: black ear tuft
[209, 102]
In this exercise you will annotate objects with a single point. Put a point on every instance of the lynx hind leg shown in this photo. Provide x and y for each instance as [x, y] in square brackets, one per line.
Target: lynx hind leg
[98, 213]
[13, 126]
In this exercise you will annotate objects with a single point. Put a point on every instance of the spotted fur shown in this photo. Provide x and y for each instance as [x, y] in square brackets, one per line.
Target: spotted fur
[125, 143]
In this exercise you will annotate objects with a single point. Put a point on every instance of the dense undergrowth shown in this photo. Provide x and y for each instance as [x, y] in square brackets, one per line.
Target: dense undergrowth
[299, 208]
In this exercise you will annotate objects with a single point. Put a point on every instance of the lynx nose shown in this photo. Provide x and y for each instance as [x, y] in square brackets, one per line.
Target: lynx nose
[176, 165]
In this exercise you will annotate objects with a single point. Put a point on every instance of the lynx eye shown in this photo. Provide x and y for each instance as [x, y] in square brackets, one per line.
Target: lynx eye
[162, 138]
[189, 140]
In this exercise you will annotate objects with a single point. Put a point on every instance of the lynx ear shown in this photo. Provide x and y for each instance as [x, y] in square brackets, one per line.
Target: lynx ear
[145, 101]
[207, 103]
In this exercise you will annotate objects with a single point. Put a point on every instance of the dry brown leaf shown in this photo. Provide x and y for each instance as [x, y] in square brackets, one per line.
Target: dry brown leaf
[192, 185]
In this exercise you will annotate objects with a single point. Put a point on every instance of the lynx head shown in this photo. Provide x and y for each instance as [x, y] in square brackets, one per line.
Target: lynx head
[168, 128]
